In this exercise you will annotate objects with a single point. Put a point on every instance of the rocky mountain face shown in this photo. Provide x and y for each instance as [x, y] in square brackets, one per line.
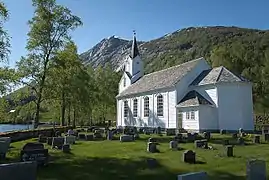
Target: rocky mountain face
[171, 49]
[112, 50]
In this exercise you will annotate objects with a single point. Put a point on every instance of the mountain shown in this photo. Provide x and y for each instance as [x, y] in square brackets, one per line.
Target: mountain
[112, 49]
[173, 48]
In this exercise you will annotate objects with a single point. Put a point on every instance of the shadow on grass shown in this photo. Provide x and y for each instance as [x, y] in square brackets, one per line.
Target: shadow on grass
[220, 175]
[103, 169]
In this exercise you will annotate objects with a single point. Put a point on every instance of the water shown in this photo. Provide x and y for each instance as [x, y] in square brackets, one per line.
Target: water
[14, 127]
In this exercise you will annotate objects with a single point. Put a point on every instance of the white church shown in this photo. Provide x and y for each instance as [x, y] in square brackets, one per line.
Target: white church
[192, 96]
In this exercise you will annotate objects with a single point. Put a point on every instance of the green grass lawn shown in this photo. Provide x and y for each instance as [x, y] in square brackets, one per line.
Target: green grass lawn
[103, 160]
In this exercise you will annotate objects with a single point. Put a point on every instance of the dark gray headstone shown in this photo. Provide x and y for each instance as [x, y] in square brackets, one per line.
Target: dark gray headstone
[152, 147]
[226, 142]
[66, 148]
[69, 139]
[173, 145]
[49, 141]
[256, 170]
[42, 138]
[97, 135]
[201, 144]
[19, 171]
[257, 139]
[126, 138]
[152, 163]
[4, 145]
[193, 176]
[82, 136]
[234, 135]
[229, 150]
[189, 157]
[109, 135]
[57, 142]
[34, 152]
[190, 137]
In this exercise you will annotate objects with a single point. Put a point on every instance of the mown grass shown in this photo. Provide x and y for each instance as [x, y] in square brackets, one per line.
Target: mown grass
[102, 160]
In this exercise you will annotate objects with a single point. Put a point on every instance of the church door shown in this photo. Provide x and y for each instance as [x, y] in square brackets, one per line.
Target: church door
[179, 120]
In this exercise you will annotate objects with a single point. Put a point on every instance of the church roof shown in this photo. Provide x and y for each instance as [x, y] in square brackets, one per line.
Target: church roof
[193, 98]
[218, 74]
[160, 79]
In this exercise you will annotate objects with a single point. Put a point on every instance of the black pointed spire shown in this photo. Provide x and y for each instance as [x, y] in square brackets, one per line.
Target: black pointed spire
[134, 51]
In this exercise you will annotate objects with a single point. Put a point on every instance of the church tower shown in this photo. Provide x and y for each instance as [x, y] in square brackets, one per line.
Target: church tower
[134, 67]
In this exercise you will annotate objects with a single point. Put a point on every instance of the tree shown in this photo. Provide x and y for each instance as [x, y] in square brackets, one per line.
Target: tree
[49, 30]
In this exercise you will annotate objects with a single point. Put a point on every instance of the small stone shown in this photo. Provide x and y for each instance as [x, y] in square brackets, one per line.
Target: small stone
[229, 151]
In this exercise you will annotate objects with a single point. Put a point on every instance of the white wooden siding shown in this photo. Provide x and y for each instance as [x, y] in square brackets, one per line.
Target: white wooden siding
[208, 118]
[190, 124]
[235, 106]
[209, 92]
[172, 115]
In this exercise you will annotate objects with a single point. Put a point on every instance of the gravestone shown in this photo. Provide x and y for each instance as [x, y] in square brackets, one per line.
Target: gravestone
[152, 140]
[256, 170]
[189, 157]
[97, 135]
[240, 132]
[19, 171]
[193, 176]
[190, 137]
[146, 131]
[257, 139]
[4, 145]
[207, 135]
[35, 152]
[240, 141]
[89, 137]
[69, 139]
[178, 137]
[66, 148]
[57, 142]
[173, 145]
[49, 141]
[201, 143]
[222, 131]
[136, 136]
[126, 138]
[42, 138]
[226, 142]
[229, 151]
[266, 137]
[82, 136]
[170, 132]
[159, 130]
[152, 147]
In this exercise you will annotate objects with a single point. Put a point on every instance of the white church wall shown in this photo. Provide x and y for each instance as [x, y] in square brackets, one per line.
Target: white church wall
[208, 118]
[209, 92]
[190, 124]
[172, 112]
[235, 106]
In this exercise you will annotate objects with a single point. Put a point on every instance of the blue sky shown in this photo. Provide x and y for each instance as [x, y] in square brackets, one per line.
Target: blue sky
[150, 18]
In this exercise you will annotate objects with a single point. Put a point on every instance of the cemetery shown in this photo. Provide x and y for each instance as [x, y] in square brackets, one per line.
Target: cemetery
[132, 153]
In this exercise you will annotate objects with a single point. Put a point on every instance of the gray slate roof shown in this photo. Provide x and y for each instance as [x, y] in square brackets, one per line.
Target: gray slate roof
[193, 98]
[218, 74]
[160, 79]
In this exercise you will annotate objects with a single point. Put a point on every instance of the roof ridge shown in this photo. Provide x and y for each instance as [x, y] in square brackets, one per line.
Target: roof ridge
[219, 73]
[232, 73]
[175, 66]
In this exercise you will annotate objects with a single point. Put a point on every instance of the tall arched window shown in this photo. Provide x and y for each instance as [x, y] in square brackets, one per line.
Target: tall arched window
[135, 108]
[125, 108]
[146, 107]
[159, 105]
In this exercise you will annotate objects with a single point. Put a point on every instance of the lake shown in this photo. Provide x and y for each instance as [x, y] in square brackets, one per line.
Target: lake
[14, 127]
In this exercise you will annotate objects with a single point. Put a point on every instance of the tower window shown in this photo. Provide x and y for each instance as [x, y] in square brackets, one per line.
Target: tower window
[124, 82]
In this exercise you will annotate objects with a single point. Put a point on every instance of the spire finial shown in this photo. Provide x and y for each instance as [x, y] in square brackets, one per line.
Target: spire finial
[134, 32]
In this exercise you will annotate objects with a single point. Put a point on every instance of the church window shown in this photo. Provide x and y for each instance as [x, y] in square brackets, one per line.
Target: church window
[160, 105]
[126, 108]
[135, 108]
[187, 115]
[192, 115]
[146, 107]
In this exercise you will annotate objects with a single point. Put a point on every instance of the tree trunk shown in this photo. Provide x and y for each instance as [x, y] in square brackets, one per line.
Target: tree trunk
[69, 114]
[63, 109]
[74, 118]
[38, 105]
